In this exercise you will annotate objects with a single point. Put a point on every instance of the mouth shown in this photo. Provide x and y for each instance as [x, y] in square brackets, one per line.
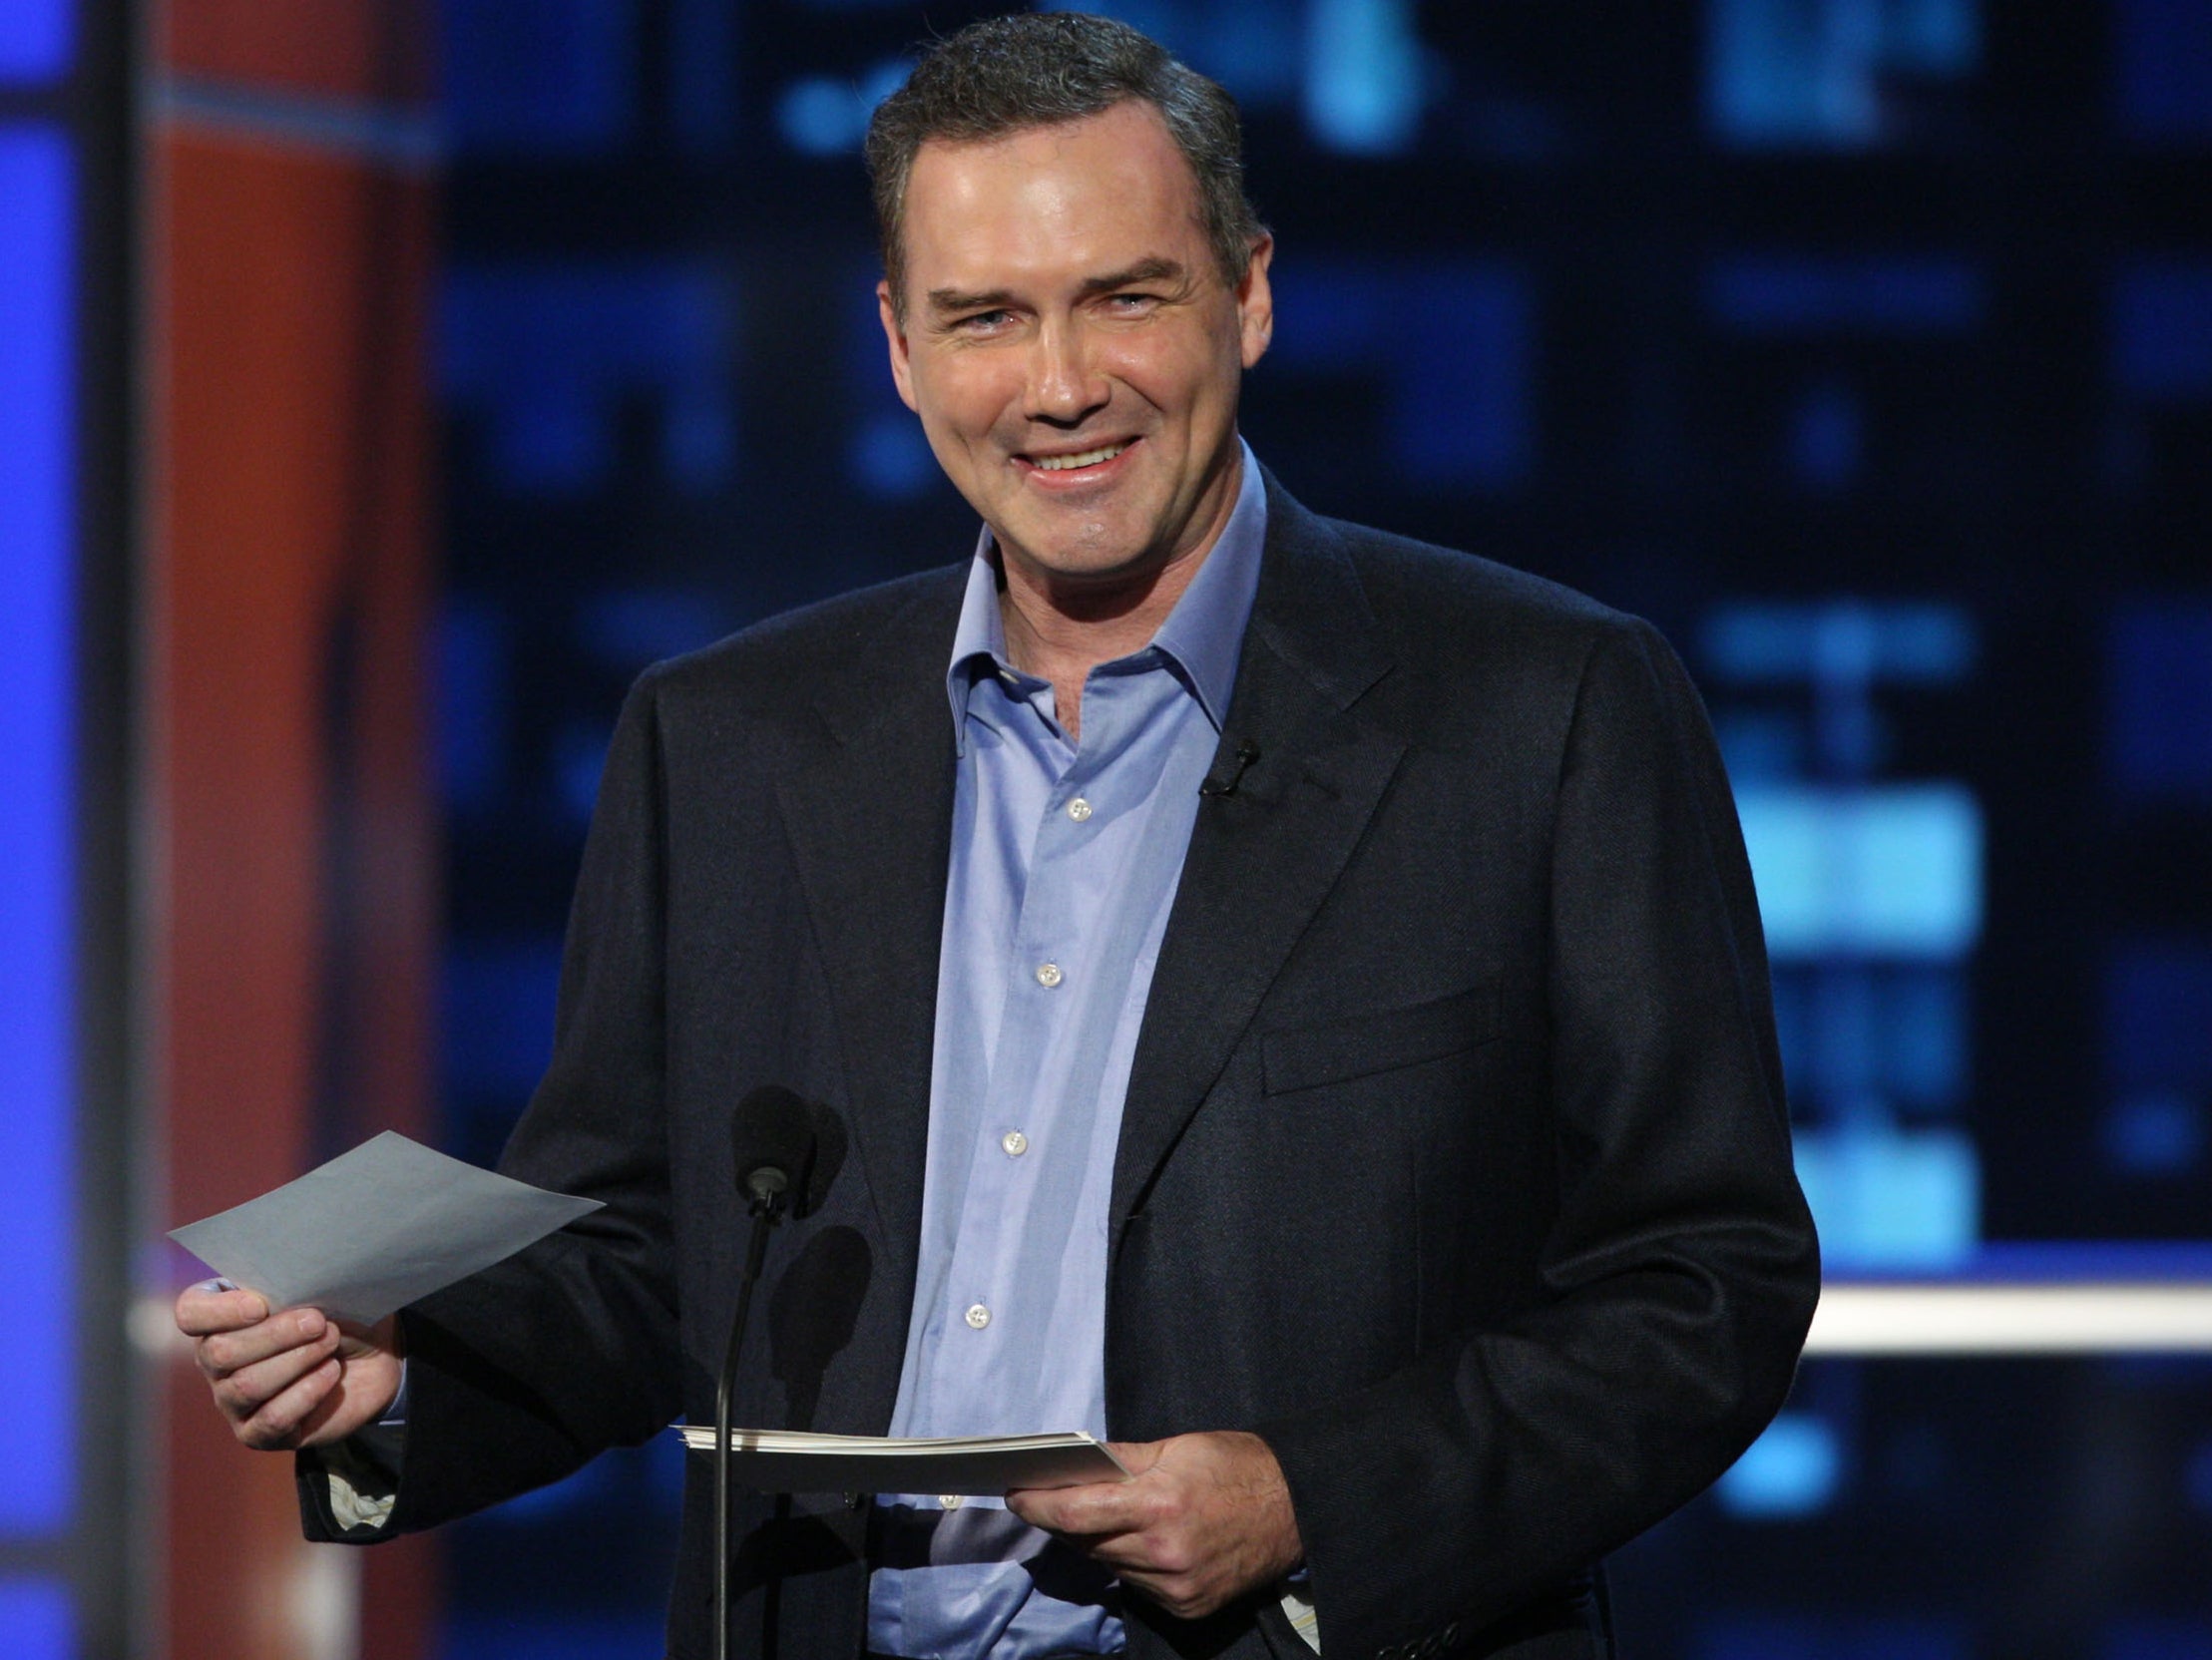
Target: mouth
[1092, 461]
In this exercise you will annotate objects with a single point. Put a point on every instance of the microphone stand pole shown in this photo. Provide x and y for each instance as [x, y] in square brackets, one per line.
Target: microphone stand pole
[768, 1210]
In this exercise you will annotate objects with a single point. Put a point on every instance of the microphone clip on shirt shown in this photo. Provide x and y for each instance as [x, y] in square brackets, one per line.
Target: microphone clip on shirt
[1215, 785]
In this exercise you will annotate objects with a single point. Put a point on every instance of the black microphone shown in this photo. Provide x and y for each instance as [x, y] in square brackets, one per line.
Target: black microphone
[772, 1137]
[771, 1140]
[1226, 775]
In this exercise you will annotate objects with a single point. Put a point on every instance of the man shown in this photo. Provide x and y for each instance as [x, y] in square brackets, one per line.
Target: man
[1295, 997]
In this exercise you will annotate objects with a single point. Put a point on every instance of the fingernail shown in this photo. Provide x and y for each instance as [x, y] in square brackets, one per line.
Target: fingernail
[215, 1284]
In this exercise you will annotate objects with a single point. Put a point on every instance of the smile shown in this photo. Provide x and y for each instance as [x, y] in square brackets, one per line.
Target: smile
[1082, 458]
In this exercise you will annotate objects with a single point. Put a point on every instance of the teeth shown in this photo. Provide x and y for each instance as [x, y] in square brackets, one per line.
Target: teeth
[1087, 458]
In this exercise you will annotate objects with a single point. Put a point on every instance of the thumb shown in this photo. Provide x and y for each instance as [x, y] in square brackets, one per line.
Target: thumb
[1136, 1456]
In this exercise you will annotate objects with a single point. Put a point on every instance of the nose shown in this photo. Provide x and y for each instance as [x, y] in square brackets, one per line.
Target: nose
[1064, 385]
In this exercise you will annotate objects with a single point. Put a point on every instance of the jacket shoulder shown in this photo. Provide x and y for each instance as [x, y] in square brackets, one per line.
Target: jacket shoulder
[1462, 623]
[778, 665]
[1419, 588]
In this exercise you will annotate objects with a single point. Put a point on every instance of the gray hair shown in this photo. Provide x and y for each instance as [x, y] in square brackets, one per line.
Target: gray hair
[1011, 74]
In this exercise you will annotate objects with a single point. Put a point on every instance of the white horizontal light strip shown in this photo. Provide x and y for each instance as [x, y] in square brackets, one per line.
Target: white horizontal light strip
[2052, 1318]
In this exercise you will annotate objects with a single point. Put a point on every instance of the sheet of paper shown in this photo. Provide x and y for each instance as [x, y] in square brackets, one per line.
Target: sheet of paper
[790, 1460]
[376, 1228]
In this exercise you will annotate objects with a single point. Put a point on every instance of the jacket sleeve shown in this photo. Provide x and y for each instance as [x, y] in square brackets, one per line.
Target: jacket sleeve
[1678, 1281]
[518, 1375]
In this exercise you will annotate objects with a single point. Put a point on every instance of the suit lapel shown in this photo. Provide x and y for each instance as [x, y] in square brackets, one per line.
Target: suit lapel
[1263, 857]
[870, 821]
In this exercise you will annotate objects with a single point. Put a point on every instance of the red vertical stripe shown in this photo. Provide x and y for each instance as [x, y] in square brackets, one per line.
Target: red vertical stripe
[293, 824]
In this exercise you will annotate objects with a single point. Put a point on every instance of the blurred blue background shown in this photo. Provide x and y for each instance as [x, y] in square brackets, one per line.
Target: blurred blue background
[1865, 345]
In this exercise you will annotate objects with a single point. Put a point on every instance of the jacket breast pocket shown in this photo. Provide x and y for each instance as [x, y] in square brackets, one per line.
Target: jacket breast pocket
[1331, 1052]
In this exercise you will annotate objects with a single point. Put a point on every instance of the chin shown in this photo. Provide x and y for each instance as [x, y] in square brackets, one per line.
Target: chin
[1120, 556]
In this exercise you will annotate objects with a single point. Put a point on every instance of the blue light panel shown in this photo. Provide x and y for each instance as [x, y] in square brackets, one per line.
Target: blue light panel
[1898, 642]
[1246, 44]
[2163, 59]
[828, 115]
[2155, 1639]
[1812, 73]
[546, 77]
[702, 70]
[37, 1425]
[548, 356]
[1363, 75]
[888, 457]
[36, 1615]
[1456, 343]
[2158, 1016]
[497, 1016]
[2162, 330]
[1889, 870]
[2158, 711]
[1891, 1200]
[33, 41]
[1791, 1470]
[1794, 294]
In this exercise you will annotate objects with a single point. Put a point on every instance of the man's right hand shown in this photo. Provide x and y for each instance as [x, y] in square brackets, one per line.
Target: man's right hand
[292, 1378]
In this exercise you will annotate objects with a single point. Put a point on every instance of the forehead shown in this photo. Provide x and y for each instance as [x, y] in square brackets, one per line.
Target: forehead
[1082, 191]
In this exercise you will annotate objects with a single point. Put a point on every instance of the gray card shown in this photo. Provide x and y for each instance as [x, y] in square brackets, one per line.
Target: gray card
[376, 1228]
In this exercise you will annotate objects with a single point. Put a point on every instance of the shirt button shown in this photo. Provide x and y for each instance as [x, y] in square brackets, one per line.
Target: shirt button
[951, 1500]
[978, 1316]
[1015, 1144]
[1078, 809]
[1048, 975]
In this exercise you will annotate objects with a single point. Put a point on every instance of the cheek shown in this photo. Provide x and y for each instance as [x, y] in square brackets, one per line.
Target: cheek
[1180, 373]
[965, 401]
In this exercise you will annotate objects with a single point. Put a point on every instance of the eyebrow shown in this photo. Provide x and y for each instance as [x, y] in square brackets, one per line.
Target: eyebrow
[1153, 270]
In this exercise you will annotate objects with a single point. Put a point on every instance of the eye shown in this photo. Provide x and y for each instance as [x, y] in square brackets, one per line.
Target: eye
[984, 322]
[1132, 304]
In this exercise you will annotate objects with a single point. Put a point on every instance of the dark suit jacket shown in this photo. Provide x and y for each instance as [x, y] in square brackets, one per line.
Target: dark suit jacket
[1453, 1162]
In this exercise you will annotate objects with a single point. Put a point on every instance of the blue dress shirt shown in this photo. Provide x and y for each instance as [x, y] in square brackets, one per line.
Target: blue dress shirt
[1065, 861]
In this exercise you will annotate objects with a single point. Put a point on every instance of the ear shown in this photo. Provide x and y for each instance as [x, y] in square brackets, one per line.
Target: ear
[1255, 303]
[902, 369]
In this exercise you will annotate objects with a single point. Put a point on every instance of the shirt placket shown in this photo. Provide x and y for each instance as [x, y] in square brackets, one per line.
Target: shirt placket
[1017, 1134]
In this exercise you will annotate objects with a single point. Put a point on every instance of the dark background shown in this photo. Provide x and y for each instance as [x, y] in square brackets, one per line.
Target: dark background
[1865, 345]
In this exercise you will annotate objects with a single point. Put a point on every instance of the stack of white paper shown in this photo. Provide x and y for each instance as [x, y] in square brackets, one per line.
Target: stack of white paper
[794, 1460]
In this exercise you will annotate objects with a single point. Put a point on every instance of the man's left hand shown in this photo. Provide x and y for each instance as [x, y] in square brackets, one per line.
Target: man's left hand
[1206, 1518]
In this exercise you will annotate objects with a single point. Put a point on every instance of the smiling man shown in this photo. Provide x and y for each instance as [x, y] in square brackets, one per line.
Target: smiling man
[1295, 997]
[1074, 348]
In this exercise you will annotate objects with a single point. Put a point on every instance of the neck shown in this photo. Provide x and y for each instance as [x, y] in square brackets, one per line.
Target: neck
[1061, 630]
[1062, 637]
[1051, 630]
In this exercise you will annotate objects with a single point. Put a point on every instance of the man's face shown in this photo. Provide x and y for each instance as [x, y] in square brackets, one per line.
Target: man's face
[1072, 347]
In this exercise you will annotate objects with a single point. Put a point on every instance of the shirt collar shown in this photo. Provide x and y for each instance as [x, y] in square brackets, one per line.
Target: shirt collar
[1202, 635]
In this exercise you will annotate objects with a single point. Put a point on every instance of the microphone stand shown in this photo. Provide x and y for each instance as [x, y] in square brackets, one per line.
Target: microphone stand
[766, 1186]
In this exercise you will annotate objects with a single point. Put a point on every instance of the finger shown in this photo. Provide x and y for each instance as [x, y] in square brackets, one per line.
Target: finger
[218, 1306]
[243, 1392]
[1097, 1508]
[226, 1351]
[280, 1423]
[1137, 1556]
[357, 1340]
